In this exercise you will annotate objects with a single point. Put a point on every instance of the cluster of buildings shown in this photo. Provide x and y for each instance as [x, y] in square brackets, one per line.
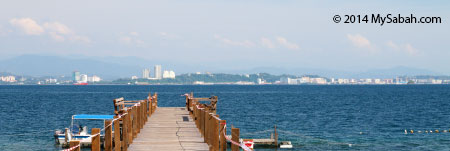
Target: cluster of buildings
[77, 77]
[398, 80]
[157, 74]
[303, 80]
[8, 79]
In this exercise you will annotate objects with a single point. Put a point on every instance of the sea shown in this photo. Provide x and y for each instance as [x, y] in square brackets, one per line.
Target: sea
[312, 117]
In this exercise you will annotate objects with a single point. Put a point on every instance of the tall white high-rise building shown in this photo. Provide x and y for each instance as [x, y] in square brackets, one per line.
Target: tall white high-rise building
[172, 74]
[76, 76]
[146, 73]
[157, 71]
[83, 78]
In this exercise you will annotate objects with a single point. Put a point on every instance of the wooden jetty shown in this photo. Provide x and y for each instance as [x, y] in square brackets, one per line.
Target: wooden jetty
[142, 125]
[169, 129]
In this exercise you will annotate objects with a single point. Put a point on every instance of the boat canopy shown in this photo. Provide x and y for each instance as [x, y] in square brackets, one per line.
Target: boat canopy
[93, 117]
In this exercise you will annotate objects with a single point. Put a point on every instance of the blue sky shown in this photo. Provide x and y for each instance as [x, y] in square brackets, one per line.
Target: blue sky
[230, 35]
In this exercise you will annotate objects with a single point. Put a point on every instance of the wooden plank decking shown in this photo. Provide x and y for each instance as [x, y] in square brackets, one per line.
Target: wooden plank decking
[169, 128]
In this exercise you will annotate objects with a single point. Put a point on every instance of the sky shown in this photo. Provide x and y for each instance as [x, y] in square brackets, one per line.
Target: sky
[230, 35]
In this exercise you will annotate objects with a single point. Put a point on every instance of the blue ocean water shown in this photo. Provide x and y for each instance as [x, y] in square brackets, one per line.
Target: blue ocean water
[332, 117]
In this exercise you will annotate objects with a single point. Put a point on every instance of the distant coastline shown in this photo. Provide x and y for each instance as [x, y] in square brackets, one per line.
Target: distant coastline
[229, 79]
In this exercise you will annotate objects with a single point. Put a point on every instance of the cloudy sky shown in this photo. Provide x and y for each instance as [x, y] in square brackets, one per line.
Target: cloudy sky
[230, 34]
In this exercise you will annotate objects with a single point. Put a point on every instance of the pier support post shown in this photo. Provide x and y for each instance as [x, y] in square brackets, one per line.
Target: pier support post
[117, 143]
[202, 122]
[66, 136]
[206, 131]
[95, 144]
[223, 141]
[276, 136]
[145, 110]
[133, 110]
[75, 143]
[235, 137]
[142, 114]
[216, 134]
[138, 118]
[126, 130]
[108, 135]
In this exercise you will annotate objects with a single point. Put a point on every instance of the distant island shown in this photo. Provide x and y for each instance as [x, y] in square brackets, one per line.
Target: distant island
[217, 78]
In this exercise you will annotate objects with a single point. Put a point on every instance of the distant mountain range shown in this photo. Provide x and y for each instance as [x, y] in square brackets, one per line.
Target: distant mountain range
[111, 68]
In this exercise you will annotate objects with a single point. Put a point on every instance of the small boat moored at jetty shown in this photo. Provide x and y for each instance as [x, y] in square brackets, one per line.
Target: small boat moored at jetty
[286, 144]
[78, 132]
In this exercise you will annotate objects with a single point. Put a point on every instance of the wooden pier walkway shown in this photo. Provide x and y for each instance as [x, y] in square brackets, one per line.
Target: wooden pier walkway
[140, 125]
[169, 128]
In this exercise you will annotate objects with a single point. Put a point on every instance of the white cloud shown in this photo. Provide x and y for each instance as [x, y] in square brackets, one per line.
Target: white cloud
[406, 48]
[56, 36]
[55, 30]
[82, 39]
[285, 43]
[392, 45]
[134, 33]
[265, 42]
[2, 31]
[27, 25]
[131, 38]
[125, 40]
[359, 41]
[57, 27]
[244, 43]
[166, 35]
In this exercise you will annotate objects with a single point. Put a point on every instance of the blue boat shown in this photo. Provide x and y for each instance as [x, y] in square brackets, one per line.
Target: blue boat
[78, 132]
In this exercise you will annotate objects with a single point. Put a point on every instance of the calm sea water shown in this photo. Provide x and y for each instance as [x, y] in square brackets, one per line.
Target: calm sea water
[368, 117]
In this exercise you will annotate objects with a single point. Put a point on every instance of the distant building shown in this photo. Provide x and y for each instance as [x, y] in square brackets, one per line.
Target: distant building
[134, 77]
[51, 80]
[157, 71]
[318, 80]
[76, 76]
[146, 73]
[434, 81]
[286, 80]
[94, 79]
[8, 79]
[305, 80]
[83, 78]
[259, 81]
[168, 74]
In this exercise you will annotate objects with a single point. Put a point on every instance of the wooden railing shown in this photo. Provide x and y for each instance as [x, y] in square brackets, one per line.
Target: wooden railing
[211, 127]
[130, 117]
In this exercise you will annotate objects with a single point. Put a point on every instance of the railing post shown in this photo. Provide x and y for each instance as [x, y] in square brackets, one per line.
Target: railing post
[126, 130]
[108, 135]
[196, 116]
[206, 136]
[66, 136]
[130, 126]
[187, 103]
[216, 128]
[235, 137]
[276, 135]
[142, 114]
[75, 143]
[150, 104]
[202, 124]
[117, 143]
[95, 144]
[138, 118]
[145, 111]
[135, 127]
[223, 141]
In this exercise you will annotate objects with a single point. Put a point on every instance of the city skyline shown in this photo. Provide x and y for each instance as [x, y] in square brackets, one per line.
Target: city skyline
[277, 34]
